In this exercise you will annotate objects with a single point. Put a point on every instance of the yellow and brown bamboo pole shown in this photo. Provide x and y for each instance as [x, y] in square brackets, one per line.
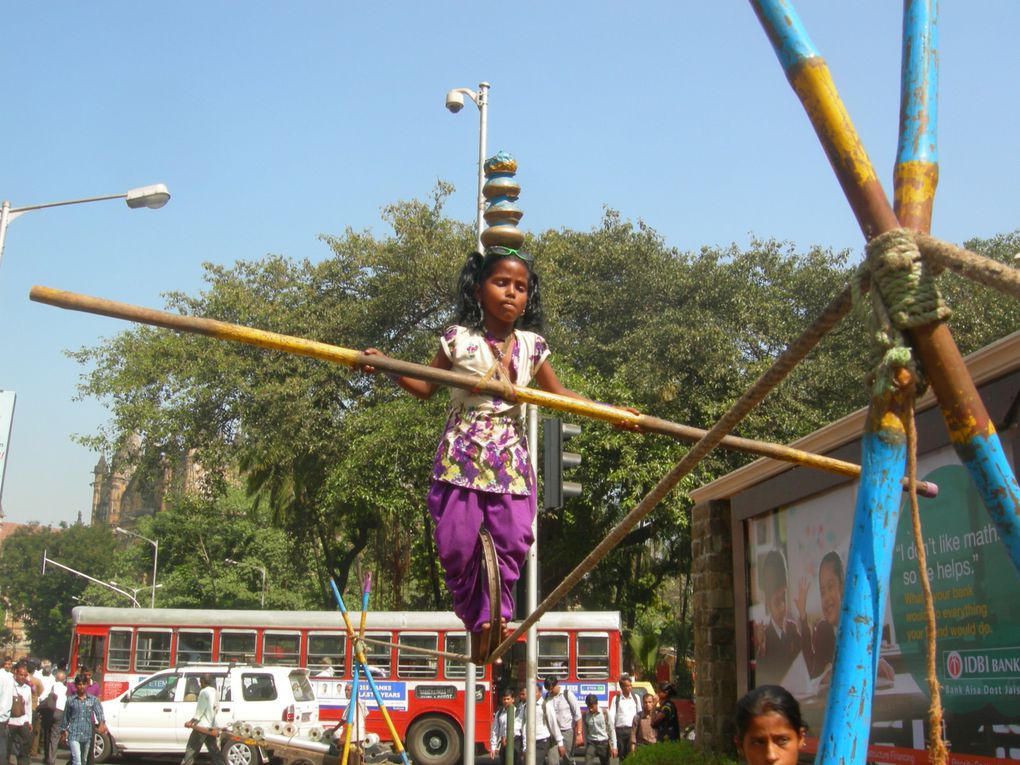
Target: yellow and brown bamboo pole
[356, 359]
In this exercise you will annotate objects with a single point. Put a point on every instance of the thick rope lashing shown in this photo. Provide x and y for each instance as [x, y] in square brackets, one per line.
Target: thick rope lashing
[970, 265]
[904, 295]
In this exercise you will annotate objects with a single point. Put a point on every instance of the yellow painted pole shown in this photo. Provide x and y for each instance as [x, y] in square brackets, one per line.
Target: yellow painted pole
[356, 359]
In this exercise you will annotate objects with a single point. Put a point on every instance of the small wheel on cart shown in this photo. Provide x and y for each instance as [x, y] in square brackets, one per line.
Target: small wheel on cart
[239, 753]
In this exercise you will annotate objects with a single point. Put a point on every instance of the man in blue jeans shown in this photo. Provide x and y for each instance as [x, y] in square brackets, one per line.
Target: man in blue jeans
[82, 714]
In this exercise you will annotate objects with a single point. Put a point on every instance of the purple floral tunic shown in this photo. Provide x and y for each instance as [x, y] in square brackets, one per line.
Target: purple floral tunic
[483, 446]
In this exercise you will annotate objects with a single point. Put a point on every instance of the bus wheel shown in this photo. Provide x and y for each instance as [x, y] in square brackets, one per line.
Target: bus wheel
[239, 753]
[434, 740]
[102, 747]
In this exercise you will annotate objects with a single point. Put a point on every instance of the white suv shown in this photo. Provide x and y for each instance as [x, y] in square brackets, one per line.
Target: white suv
[150, 716]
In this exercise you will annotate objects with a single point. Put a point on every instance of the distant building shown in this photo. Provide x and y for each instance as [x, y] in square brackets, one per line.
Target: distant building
[123, 492]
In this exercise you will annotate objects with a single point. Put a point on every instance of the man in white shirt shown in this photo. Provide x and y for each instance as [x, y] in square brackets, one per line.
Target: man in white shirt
[53, 709]
[503, 732]
[19, 727]
[568, 715]
[6, 699]
[203, 724]
[549, 747]
[622, 711]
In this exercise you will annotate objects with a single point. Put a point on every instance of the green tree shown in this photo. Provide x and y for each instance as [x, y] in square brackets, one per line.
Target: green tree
[339, 462]
[44, 603]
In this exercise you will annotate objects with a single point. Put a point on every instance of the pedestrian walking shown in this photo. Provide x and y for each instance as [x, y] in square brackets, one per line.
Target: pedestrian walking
[83, 716]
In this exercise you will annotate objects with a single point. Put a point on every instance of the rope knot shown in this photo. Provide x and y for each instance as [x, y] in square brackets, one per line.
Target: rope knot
[903, 295]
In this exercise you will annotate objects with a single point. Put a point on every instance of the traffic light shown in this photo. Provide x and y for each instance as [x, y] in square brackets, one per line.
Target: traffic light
[555, 460]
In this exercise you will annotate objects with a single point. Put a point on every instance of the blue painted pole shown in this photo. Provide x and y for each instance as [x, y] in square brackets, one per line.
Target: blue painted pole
[970, 430]
[847, 725]
[917, 166]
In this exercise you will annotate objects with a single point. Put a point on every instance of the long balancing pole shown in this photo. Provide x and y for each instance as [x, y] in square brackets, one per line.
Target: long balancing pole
[353, 358]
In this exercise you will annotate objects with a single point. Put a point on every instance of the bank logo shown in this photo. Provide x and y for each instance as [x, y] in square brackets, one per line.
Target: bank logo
[984, 664]
[954, 665]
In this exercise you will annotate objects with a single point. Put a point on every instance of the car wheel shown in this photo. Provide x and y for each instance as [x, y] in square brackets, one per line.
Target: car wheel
[102, 747]
[434, 740]
[239, 753]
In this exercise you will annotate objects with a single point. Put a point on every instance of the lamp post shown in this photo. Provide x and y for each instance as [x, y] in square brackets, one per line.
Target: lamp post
[455, 102]
[134, 590]
[100, 582]
[155, 559]
[261, 569]
[152, 197]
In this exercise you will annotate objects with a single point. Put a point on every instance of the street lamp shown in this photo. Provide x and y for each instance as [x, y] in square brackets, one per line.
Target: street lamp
[455, 102]
[155, 559]
[134, 590]
[232, 562]
[100, 582]
[153, 197]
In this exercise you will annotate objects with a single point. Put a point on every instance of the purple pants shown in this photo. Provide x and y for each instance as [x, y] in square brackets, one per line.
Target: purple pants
[458, 514]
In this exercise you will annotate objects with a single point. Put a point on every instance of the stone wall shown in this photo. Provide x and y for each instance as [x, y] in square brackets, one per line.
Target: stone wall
[715, 685]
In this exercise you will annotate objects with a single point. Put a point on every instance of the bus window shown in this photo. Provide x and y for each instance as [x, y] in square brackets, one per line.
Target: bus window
[238, 647]
[553, 657]
[90, 650]
[326, 654]
[414, 664]
[152, 651]
[194, 646]
[455, 643]
[119, 658]
[592, 656]
[283, 648]
[380, 657]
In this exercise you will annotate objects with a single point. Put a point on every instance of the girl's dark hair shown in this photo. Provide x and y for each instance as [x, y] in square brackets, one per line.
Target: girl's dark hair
[476, 268]
[832, 558]
[765, 699]
[773, 572]
[668, 688]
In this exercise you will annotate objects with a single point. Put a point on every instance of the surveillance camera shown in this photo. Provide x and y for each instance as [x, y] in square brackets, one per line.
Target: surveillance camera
[454, 101]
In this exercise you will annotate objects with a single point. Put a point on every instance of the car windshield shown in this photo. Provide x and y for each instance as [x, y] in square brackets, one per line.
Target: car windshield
[158, 688]
[301, 687]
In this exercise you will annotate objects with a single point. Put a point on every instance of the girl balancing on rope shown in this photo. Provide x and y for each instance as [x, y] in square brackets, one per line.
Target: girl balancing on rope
[482, 474]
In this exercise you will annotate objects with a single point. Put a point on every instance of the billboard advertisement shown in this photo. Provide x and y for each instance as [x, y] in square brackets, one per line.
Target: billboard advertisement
[795, 576]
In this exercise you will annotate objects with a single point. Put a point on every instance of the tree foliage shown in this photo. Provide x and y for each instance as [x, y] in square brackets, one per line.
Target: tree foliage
[44, 602]
[338, 463]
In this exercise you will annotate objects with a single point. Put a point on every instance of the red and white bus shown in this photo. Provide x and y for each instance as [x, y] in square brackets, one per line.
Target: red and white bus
[424, 694]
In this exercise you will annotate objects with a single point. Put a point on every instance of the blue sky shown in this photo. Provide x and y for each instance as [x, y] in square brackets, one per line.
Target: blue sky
[273, 123]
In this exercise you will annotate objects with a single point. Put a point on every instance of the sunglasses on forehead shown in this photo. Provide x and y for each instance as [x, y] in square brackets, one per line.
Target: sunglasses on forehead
[501, 251]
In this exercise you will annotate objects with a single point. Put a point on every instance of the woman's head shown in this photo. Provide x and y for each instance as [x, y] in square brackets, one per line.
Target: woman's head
[830, 586]
[770, 730]
[665, 691]
[471, 295]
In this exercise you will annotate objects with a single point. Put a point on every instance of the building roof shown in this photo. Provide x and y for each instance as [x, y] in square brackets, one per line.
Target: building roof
[986, 364]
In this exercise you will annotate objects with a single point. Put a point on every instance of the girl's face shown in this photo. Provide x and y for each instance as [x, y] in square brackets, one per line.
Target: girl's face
[831, 590]
[503, 295]
[777, 607]
[770, 740]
